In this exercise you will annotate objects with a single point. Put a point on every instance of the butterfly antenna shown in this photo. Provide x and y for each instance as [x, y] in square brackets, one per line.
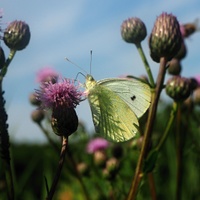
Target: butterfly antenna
[78, 74]
[76, 66]
[90, 61]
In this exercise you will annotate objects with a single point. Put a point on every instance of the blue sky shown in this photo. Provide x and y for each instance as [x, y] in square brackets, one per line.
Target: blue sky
[71, 29]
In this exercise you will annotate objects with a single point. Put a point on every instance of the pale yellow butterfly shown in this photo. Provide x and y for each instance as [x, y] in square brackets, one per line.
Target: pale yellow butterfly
[116, 105]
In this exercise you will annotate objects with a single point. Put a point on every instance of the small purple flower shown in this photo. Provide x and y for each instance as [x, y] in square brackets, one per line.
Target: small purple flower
[97, 144]
[46, 74]
[59, 94]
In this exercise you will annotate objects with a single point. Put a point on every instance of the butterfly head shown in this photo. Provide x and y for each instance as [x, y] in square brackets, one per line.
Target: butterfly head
[90, 82]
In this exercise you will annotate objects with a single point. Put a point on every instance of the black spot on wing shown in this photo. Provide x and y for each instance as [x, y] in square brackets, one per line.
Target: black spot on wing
[133, 97]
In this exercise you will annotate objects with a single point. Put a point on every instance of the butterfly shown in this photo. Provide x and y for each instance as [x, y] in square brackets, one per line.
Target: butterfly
[116, 105]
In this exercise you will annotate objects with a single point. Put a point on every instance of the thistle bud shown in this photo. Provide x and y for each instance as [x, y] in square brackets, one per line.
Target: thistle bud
[174, 67]
[165, 39]
[189, 28]
[182, 52]
[100, 158]
[178, 88]
[37, 115]
[34, 100]
[2, 58]
[133, 30]
[17, 35]
[82, 168]
[64, 121]
[112, 165]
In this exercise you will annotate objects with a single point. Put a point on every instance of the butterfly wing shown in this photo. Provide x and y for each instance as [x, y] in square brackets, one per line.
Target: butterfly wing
[112, 117]
[135, 93]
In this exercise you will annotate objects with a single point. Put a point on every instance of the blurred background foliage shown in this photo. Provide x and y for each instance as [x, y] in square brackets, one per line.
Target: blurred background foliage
[34, 165]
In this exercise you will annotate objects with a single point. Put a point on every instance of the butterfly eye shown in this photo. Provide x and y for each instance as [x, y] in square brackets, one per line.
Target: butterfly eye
[89, 78]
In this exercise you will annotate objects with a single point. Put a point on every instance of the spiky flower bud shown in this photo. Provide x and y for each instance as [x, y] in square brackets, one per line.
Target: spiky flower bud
[37, 115]
[178, 88]
[133, 30]
[174, 67]
[2, 58]
[17, 35]
[165, 39]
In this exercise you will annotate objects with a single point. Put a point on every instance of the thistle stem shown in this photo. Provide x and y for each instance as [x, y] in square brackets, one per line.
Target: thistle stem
[6, 64]
[71, 159]
[59, 169]
[4, 136]
[179, 144]
[146, 64]
[169, 124]
[152, 186]
[148, 131]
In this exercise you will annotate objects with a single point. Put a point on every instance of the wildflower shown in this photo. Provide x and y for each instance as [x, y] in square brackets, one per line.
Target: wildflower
[133, 30]
[17, 35]
[62, 97]
[165, 39]
[46, 74]
[62, 93]
[97, 144]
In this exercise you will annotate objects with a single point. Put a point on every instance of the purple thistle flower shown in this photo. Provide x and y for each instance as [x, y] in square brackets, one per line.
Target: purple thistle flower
[97, 144]
[59, 94]
[46, 74]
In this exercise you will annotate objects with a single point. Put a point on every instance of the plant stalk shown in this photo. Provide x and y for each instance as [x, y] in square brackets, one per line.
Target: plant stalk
[148, 131]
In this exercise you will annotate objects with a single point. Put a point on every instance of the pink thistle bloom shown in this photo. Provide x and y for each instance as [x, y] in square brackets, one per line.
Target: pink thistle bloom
[97, 144]
[197, 78]
[46, 74]
[62, 93]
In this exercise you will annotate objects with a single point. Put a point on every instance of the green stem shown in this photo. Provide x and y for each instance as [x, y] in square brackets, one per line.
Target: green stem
[169, 124]
[148, 131]
[179, 145]
[59, 169]
[6, 64]
[146, 64]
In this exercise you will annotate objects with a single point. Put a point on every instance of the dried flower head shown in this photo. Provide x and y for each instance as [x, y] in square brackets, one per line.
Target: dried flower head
[46, 74]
